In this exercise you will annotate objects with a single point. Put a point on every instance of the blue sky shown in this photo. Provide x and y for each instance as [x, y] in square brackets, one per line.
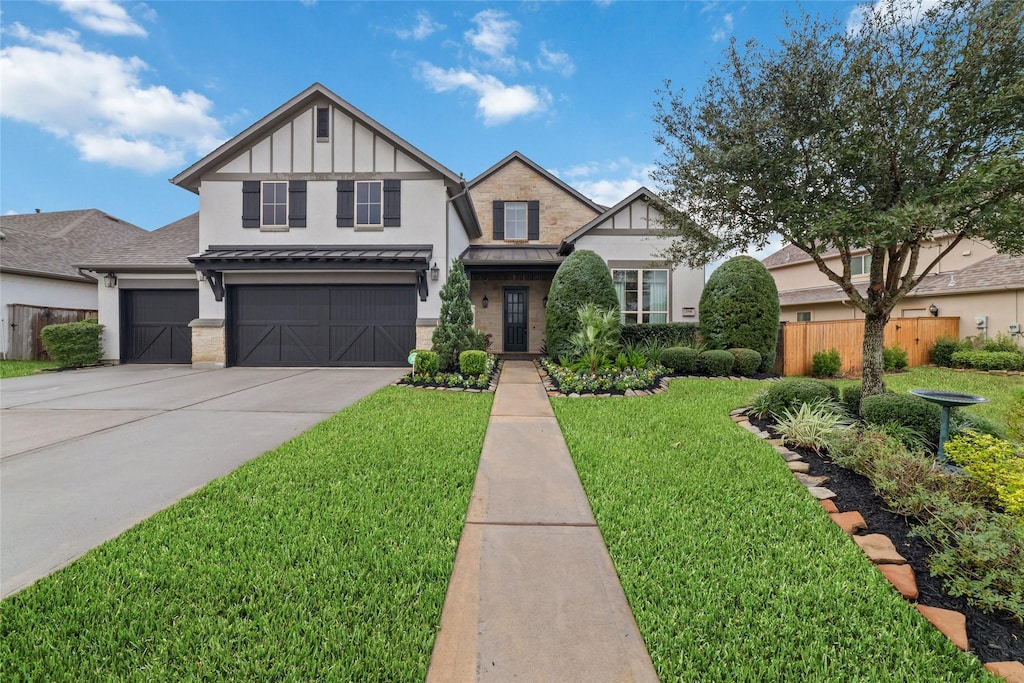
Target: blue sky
[101, 101]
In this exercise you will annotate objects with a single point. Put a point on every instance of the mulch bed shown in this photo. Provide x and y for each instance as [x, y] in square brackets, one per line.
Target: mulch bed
[992, 637]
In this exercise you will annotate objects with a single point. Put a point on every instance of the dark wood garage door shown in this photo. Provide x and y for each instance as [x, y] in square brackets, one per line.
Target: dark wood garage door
[321, 325]
[154, 325]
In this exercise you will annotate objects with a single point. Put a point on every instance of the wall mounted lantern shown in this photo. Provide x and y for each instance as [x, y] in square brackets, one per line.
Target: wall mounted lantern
[435, 272]
[484, 302]
[110, 280]
[933, 310]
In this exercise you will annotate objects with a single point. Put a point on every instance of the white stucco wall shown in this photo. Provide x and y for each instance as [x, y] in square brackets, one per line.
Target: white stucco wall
[28, 290]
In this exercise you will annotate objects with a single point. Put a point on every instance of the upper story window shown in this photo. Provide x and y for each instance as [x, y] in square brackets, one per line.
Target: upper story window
[369, 203]
[516, 221]
[274, 204]
[803, 316]
[323, 124]
[860, 265]
[643, 295]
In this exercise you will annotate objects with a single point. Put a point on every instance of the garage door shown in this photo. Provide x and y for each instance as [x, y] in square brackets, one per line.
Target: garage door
[154, 325]
[321, 325]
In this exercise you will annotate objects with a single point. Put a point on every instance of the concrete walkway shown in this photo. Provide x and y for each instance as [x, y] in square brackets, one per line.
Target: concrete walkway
[533, 595]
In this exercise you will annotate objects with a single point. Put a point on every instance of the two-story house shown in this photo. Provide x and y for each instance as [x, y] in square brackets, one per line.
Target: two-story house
[323, 239]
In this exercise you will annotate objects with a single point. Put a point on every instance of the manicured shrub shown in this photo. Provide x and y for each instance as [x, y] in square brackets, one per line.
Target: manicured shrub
[739, 308]
[894, 358]
[582, 278]
[666, 334]
[903, 409]
[966, 421]
[850, 398]
[747, 361]
[942, 352]
[473, 362]
[454, 333]
[988, 360]
[426, 363]
[788, 394]
[680, 359]
[826, 363]
[995, 465]
[715, 363]
[73, 345]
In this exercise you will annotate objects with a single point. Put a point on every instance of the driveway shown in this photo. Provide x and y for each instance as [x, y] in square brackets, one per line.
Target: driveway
[87, 454]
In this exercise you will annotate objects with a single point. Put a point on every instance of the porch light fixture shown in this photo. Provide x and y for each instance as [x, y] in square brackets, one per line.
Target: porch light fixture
[435, 272]
[933, 310]
[110, 280]
[484, 302]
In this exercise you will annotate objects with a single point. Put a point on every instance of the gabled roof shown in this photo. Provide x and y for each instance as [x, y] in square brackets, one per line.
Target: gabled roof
[642, 193]
[166, 248]
[554, 180]
[189, 178]
[51, 244]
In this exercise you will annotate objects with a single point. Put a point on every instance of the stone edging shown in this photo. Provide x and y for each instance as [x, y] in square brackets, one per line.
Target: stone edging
[879, 549]
[491, 386]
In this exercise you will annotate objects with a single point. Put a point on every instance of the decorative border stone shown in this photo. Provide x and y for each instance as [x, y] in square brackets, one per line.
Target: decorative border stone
[491, 386]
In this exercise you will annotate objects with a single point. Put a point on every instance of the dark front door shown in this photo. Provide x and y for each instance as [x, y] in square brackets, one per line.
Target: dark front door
[515, 319]
[154, 325]
[321, 325]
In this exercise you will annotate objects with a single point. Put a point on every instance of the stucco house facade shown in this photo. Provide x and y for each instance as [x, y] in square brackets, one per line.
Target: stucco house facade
[983, 288]
[324, 239]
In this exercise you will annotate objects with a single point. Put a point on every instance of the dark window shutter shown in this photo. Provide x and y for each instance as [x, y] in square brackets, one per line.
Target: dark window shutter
[499, 220]
[346, 203]
[250, 203]
[533, 220]
[392, 203]
[297, 204]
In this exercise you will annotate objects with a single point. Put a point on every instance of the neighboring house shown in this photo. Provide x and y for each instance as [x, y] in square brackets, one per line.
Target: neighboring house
[973, 282]
[323, 239]
[39, 281]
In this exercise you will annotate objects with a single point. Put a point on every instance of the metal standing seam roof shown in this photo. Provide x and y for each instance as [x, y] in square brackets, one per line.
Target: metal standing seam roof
[483, 255]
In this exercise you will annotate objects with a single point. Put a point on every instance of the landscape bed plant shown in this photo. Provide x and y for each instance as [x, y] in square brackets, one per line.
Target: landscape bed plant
[426, 374]
[327, 558]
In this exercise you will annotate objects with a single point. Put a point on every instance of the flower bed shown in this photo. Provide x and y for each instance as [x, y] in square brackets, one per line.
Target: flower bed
[455, 380]
[610, 381]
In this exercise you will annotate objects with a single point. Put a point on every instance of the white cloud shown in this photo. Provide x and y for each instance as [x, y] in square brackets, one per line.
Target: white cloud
[552, 60]
[497, 103]
[724, 29]
[98, 102]
[905, 13]
[425, 26]
[103, 16]
[495, 33]
[608, 182]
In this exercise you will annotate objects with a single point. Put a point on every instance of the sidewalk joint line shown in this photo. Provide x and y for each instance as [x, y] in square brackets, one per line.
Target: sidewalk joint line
[583, 525]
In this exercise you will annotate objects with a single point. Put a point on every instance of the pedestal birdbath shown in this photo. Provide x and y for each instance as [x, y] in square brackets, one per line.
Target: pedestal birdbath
[947, 399]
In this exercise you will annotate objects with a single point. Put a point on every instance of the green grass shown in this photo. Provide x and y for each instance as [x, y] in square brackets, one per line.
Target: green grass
[20, 368]
[325, 559]
[733, 571]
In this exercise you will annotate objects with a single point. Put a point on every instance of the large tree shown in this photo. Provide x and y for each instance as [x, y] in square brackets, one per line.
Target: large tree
[883, 135]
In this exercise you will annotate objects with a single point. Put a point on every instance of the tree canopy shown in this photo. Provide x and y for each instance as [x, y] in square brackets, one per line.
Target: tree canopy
[879, 136]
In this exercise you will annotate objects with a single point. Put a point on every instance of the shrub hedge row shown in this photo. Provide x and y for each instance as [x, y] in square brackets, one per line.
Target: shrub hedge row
[666, 334]
[73, 345]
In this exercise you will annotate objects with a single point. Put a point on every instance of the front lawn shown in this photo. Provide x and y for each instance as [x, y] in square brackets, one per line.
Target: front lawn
[21, 368]
[733, 571]
[325, 559]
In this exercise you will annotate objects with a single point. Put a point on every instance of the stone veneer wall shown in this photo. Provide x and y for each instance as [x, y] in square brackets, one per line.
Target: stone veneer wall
[560, 213]
[490, 319]
[424, 336]
[208, 346]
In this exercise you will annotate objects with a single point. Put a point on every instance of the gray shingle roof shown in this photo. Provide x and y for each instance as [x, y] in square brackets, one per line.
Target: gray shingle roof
[52, 244]
[169, 246]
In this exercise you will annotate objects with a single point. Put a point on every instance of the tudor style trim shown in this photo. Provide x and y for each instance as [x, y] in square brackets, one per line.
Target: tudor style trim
[553, 179]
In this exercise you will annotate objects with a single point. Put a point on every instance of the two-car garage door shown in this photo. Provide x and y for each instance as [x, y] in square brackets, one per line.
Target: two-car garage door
[320, 325]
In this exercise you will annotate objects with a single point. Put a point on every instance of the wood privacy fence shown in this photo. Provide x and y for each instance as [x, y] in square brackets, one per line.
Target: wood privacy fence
[798, 342]
[26, 323]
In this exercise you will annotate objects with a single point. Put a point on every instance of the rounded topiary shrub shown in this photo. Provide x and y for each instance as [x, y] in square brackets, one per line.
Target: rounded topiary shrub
[943, 350]
[426, 363]
[473, 362]
[826, 363]
[680, 359]
[73, 345]
[747, 361]
[739, 308]
[894, 358]
[851, 396]
[716, 363]
[789, 394]
[905, 410]
[582, 278]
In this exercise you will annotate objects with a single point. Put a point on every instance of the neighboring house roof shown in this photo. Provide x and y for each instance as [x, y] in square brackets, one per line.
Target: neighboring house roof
[789, 254]
[511, 256]
[189, 178]
[166, 248]
[554, 180]
[51, 244]
[641, 193]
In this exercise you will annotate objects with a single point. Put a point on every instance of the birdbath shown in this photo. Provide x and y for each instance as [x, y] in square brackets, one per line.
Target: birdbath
[947, 399]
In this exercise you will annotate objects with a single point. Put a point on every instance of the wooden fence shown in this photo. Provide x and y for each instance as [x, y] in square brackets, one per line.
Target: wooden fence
[798, 342]
[26, 323]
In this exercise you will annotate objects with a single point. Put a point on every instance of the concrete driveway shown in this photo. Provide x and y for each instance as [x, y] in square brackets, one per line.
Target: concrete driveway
[87, 454]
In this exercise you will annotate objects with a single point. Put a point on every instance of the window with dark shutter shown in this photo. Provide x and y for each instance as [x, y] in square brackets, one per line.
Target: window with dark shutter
[346, 203]
[392, 203]
[297, 204]
[250, 203]
[499, 220]
[533, 220]
[323, 124]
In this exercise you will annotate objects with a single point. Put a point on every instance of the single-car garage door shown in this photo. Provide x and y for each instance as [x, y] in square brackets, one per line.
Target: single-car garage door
[321, 325]
[154, 325]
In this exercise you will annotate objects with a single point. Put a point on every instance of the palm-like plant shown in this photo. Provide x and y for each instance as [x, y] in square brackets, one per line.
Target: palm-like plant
[598, 336]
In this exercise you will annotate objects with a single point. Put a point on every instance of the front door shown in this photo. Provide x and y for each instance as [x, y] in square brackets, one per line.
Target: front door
[515, 319]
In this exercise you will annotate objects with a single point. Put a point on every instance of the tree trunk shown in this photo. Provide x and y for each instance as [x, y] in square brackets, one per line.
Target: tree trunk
[874, 340]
